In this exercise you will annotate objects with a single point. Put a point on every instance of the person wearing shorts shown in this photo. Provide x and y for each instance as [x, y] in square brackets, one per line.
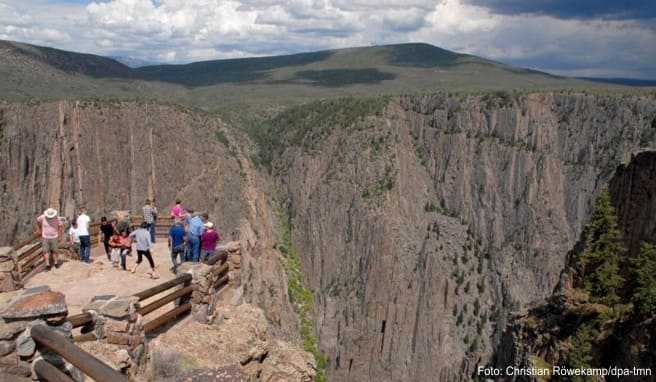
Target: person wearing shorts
[141, 238]
[50, 226]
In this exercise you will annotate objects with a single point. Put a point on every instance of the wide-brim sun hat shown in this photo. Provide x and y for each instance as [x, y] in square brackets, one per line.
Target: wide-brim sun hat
[209, 224]
[50, 213]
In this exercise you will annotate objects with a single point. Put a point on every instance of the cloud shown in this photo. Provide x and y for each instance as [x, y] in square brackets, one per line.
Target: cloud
[565, 37]
[579, 9]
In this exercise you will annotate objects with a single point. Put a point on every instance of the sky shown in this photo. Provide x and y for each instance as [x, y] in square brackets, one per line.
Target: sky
[591, 38]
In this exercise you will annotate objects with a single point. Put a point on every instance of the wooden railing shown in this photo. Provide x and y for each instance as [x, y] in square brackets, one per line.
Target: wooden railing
[30, 261]
[181, 294]
[87, 363]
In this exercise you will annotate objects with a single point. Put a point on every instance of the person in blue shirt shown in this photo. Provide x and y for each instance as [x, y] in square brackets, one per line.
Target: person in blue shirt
[195, 227]
[177, 238]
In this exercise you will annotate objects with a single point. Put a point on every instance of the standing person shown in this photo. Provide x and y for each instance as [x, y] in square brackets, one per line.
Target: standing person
[50, 227]
[83, 231]
[143, 245]
[154, 232]
[123, 224]
[74, 238]
[208, 241]
[149, 216]
[177, 238]
[195, 230]
[177, 212]
[107, 230]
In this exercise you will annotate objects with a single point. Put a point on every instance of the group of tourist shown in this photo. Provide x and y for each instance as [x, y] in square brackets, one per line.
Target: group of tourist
[192, 237]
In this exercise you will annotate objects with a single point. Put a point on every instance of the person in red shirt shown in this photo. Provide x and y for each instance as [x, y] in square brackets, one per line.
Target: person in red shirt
[178, 211]
[208, 241]
[121, 245]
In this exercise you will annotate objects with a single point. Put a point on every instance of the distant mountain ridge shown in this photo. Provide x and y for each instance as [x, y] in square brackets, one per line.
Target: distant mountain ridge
[133, 62]
[39, 72]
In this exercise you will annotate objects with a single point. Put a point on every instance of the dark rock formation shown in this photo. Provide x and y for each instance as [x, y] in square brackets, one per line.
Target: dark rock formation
[419, 230]
[423, 228]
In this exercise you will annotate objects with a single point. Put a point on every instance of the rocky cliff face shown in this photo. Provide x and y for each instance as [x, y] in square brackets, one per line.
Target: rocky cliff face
[423, 227]
[547, 333]
[419, 229]
[111, 156]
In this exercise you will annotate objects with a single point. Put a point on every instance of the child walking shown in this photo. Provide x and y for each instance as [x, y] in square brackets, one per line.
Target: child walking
[120, 246]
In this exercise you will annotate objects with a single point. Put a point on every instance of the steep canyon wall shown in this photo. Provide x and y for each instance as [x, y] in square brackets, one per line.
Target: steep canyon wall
[419, 229]
[422, 228]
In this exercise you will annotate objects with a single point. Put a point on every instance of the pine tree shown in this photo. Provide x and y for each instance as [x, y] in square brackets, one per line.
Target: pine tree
[644, 270]
[600, 261]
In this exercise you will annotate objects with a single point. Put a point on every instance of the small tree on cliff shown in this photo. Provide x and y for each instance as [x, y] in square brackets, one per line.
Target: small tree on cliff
[644, 271]
[600, 261]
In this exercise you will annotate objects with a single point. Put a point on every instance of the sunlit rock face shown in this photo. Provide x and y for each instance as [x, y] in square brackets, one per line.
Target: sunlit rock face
[419, 229]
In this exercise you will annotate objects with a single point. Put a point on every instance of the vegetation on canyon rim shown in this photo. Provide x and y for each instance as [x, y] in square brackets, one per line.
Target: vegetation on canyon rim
[624, 288]
[301, 296]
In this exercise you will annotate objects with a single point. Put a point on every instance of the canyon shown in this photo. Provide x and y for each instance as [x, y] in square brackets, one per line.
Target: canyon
[422, 222]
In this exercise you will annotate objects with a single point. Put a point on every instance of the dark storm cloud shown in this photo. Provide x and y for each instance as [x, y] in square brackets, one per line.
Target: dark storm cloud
[574, 9]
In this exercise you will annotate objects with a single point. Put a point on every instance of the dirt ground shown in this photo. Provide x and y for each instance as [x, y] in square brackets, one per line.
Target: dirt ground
[80, 282]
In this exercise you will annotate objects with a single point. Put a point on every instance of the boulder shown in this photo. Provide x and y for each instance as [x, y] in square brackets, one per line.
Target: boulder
[113, 307]
[288, 363]
[6, 253]
[6, 347]
[36, 302]
[123, 360]
[97, 302]
[25, 345]
[231, 373]
[9, 330]
[232, 246]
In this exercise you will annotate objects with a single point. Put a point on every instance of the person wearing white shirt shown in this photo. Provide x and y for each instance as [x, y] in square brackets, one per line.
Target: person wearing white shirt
[83, 233]
[74, 237]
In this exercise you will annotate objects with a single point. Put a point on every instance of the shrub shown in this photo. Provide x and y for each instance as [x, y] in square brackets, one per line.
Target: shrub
[644, 269]
[600, 261]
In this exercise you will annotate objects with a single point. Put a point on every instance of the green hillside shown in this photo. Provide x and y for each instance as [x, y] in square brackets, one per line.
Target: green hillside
[44, 73]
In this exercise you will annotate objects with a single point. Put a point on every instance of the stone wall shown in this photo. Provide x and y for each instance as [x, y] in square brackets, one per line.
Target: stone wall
[18, 351]
[8, 278]
[209, 280]
[116, 321]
